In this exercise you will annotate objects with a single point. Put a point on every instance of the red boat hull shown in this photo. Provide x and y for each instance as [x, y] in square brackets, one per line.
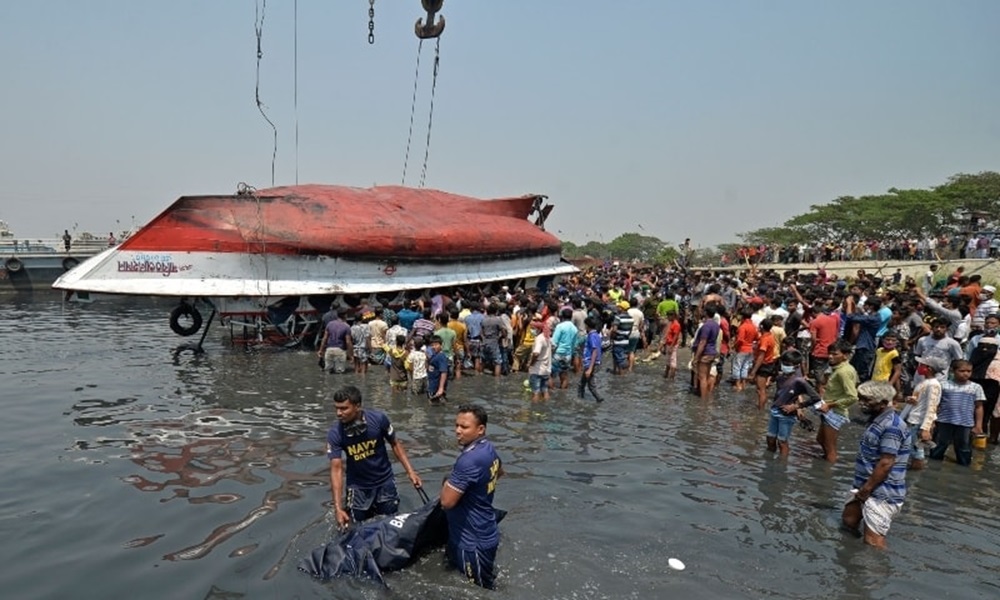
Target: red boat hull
[316, 240]
[381, 222]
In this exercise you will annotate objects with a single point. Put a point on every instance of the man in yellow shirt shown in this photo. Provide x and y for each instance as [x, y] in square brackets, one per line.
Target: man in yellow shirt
[461, 341]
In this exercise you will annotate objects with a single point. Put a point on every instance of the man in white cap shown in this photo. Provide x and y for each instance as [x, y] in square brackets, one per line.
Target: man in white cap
[880, 470]
[921, 408]
[988, 305]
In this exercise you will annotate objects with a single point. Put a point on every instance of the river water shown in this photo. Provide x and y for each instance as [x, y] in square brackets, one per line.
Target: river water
[131, 472]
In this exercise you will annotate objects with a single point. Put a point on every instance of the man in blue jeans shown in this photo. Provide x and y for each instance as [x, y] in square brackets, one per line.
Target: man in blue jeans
[791, 385]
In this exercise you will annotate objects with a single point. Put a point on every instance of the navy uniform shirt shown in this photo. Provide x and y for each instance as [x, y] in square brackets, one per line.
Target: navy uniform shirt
[472, 523]
[367, 460]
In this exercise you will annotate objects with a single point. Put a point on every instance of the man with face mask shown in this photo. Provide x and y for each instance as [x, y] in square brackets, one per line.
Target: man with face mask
[920, 411]
[880, 470]
[791, 386]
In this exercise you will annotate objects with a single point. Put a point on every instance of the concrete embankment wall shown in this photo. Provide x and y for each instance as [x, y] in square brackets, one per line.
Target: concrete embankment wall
[988, 268]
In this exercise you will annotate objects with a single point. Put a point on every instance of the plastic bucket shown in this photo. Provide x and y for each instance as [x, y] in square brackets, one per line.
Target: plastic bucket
[979, 441]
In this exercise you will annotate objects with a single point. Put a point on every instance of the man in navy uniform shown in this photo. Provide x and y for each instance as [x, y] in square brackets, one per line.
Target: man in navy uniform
[362, 434]
[467, 498]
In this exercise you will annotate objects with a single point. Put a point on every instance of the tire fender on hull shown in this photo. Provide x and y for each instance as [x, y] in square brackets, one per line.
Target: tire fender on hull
[14, 265]
[182, 311]
[69, 262]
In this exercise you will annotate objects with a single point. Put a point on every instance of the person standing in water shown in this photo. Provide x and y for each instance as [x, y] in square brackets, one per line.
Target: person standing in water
[361, 434]
[880, 469]
[791, 386]
[591, 360]
[841, 392]
[467, 499]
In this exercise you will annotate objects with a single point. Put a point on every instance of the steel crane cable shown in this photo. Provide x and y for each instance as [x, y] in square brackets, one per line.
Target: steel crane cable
[430, 116]
[259, 10]
[413, 108]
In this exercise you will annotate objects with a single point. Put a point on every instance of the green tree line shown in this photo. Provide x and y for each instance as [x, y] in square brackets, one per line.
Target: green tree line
[626, 247]
[950, 208]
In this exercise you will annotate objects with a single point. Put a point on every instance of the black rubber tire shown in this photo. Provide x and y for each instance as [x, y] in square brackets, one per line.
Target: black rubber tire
[14, 265]
[69, 262]
[181, 311]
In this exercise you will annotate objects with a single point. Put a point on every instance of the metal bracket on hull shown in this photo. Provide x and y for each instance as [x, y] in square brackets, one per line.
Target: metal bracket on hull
[543, 211]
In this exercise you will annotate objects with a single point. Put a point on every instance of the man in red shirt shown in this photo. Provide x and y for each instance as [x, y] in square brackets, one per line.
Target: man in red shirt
[671, 340]
[747, 335]
[824, 329]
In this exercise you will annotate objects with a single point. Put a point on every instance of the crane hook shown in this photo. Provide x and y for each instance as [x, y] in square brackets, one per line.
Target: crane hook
[430, 29]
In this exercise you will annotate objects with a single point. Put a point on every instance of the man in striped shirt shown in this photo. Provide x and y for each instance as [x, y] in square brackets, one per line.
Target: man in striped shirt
[880, 469]
[960, 414]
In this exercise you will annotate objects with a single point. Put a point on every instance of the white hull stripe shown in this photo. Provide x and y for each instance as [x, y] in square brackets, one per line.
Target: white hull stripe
[228, 275]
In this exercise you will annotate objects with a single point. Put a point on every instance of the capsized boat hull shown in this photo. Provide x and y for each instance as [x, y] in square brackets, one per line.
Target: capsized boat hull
[318, 239]
[209, 274]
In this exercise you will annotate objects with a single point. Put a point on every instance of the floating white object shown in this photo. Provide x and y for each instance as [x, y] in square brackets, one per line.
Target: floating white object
[676, 564]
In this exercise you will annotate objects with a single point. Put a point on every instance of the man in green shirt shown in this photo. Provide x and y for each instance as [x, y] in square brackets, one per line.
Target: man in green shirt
[840, 393]
[447, 336]
[667, 305]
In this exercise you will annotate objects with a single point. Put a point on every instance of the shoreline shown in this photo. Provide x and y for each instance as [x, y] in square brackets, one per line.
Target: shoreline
[989, 268]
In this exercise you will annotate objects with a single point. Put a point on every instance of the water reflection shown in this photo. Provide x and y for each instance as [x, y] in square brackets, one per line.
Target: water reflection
[207, 452]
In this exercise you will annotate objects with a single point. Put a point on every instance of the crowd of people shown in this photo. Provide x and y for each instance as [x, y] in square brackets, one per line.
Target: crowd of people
[918, 358]
[943, 247]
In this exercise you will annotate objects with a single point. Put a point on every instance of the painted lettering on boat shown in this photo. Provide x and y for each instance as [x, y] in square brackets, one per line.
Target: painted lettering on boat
[152, 263]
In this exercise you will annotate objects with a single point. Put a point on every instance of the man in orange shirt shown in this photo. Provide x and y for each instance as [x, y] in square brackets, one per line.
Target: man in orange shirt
[971, 291]
[746, 336]
[765, 364]
[671, 341]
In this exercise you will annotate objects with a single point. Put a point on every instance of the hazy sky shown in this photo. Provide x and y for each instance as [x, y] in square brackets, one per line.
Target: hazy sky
[699, 118]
